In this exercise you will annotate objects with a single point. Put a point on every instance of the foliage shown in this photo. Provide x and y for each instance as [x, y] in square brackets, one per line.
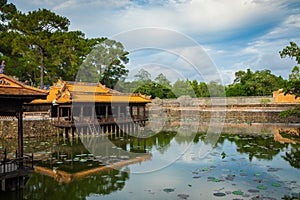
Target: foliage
[265, 101]
[105, 63]
[39, 48]
[37, 37]
[143, 84]
[163, 81]
[293, 84]
[292, 51]
[143, 76]
[258, 83]
[181, 87]
[290, 112]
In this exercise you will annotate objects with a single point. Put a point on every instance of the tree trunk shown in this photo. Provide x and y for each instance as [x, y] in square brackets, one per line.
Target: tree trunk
[42, 68]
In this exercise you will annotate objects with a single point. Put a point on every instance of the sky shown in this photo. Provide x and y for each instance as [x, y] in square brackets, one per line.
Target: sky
[205, 40]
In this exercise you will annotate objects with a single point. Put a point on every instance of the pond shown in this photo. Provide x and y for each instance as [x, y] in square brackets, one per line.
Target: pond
[167, 165]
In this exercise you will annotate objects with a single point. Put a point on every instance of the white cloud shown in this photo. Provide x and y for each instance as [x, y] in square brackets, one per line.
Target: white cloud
[237, 34]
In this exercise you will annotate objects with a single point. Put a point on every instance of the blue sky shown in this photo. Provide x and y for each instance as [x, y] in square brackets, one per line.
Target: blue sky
[168, 35]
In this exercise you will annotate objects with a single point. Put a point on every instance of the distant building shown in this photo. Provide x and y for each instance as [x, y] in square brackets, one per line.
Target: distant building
[279, 97]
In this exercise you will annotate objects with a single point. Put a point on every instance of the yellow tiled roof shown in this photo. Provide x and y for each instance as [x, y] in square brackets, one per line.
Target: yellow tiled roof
[51, 96]
[67, 92]
[106, 98]
[10, 87]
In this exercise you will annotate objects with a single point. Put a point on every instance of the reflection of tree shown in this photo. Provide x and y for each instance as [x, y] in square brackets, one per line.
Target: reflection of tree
[261, 147]
[44, 187]
[293, 157]
[161, 141]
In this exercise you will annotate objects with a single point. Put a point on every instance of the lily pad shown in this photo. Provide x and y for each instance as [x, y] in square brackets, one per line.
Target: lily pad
[205, 169]
[219, 194]
[237, 192]
[169, 190]
[213, 179]
[59, 162]
[262, 187]
[276, 185]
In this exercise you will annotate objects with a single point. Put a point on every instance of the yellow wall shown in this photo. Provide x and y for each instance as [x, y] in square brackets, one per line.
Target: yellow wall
[279, 97]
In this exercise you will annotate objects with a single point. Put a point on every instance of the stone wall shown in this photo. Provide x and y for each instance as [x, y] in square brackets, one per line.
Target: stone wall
[188, 101]
[236, 110]
[31, 128]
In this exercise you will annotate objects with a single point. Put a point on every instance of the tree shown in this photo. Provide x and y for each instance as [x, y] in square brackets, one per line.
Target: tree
[181, 88]
[106, 62]
[292, 51]
[36, 40]
[258, 83]
[293, 84]
[162, 80]
[215, 89]
[6, 13]
[143, 76]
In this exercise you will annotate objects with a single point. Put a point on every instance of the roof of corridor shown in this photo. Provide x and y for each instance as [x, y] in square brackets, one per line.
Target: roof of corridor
[64, 92]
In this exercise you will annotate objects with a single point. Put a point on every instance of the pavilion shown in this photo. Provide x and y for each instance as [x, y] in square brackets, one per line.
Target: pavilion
[93, 108]
[13, 94]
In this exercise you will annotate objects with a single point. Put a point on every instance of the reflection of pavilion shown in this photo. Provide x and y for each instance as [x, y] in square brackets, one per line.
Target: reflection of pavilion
[66, 177]
[94, 108]
[99, 153]
[78, 158]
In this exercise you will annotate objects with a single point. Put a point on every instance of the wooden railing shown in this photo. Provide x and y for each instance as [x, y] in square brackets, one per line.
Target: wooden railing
[65, 122]
[8, 165]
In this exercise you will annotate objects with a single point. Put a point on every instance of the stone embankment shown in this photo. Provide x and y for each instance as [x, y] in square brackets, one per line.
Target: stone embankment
[33, 127]
[228, 110]
[178, 112]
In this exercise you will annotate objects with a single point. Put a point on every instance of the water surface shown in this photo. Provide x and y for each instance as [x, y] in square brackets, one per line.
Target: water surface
[166, 165]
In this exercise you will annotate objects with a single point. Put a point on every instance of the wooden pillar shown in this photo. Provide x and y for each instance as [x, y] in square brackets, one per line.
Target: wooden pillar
[119, 111]
[93, 113]
[81, 113]
[138, 111]
[131, 111]
[69, 113]
[144, 111]
[106, 112]
[58, 113]
[20, 134]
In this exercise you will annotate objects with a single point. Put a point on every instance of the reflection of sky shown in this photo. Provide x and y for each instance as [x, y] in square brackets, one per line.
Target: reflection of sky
[179, 175]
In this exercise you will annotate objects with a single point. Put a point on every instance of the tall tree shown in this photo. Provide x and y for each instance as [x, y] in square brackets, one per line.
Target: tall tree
[162, 80]
[106, 62]
[143, 76]
[36, 39]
